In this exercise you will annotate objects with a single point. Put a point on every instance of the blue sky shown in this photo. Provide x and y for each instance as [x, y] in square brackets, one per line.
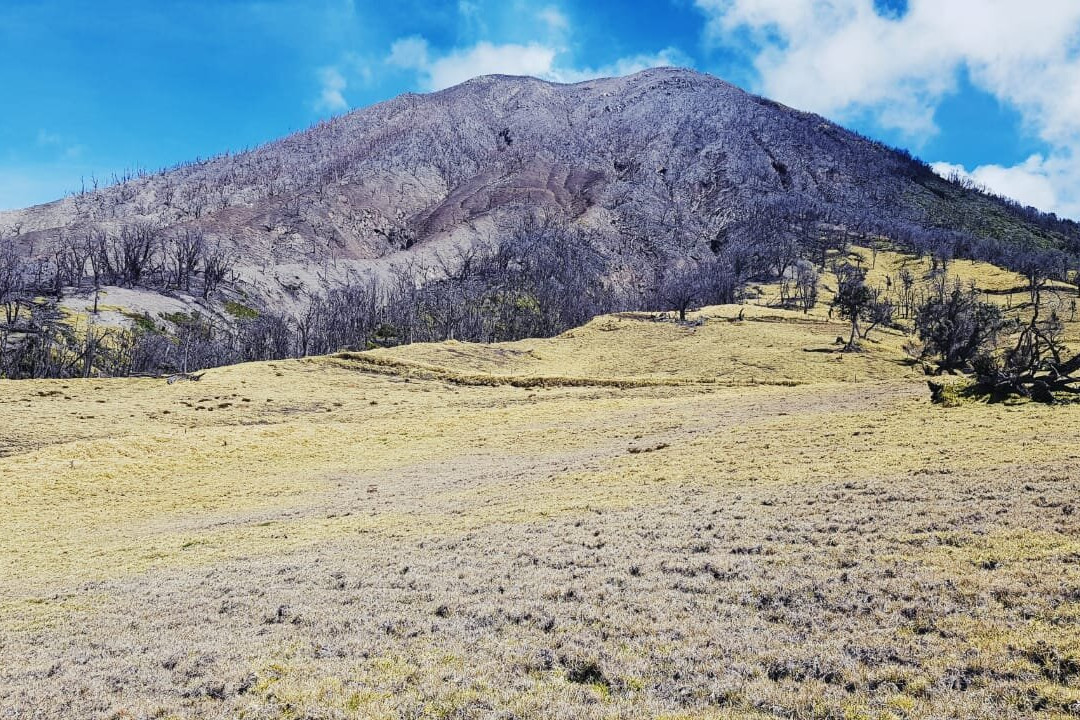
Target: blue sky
[990, 88]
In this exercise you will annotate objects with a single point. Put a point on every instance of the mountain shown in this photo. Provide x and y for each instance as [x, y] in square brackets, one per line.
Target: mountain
[666, 159]
[647, 171]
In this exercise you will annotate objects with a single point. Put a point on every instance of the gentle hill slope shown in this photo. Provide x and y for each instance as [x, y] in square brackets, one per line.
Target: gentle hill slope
[734, 345]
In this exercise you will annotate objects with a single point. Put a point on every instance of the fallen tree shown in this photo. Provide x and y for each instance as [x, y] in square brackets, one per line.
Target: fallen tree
[963, 334]
[1036, 367]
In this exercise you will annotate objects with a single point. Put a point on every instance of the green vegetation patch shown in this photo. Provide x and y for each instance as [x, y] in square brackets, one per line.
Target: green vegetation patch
[240, 311]
[177, 318]
[143, 322]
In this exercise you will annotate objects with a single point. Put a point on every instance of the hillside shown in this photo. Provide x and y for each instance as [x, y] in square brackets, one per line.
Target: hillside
[722, 519]
[667, 162]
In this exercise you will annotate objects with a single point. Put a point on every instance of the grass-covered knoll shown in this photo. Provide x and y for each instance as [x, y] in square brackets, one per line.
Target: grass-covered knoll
[758, 342]
[734, 344]
[336, 538]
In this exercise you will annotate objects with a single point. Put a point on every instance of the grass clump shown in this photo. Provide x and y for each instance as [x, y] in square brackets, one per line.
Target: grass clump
[178, 318]
[240, 311]
[143, 322]
[953, 394]
[1054, 663]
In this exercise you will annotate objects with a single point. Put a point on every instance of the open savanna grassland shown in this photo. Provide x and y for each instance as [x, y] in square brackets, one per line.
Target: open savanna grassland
[634, 519]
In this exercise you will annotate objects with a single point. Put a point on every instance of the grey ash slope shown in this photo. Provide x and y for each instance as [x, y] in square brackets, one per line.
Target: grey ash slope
[667, 160]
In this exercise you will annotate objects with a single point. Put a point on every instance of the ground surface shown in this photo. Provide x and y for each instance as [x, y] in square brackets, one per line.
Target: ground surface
[636, 519]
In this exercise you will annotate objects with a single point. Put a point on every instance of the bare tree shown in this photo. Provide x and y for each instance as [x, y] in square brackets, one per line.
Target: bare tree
[128, 255]
[880, 312]
[217, 264]
[806, 285]
[95, 244]
[680, 287]
[1036, 366]
[184, 251]
[12, 284]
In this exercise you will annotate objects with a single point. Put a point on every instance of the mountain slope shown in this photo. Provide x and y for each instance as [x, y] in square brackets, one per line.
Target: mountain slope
[664, 161]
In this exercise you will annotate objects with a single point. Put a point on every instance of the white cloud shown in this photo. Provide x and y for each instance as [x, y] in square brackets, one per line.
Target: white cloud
[409, 52]
[840, 57]
[67, 149]
[331, 96]
[46, 138]
[1039, 181]
[535, 60]
[468, 8]
[554, 19]
[457, 66]
[668, 57]
[472, 18]
[544, 57]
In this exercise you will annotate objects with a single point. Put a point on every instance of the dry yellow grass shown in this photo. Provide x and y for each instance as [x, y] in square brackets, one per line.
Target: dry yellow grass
[765, 346]
[624, 521]
[1003, 287]
[883, 265]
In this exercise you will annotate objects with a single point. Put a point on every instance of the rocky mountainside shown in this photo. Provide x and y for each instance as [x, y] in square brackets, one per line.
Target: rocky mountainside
[667, 162]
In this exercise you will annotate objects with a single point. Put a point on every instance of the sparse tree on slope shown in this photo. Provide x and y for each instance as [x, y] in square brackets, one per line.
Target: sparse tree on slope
[853, 298]
[806, 285]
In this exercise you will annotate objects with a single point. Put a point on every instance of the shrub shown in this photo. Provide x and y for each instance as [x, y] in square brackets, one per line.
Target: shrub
[956, 328]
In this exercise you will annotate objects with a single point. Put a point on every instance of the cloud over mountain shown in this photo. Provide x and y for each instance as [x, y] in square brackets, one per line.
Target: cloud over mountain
[845, 57]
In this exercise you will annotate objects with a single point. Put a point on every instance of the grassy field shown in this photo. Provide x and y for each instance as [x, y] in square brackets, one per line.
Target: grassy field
[634, 519]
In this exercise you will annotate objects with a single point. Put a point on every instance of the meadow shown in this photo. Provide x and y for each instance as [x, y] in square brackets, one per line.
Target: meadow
[638, 518]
